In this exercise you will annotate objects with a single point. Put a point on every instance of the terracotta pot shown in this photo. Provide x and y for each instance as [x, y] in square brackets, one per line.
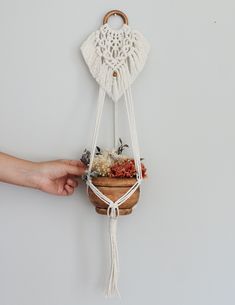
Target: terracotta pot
[114, 188]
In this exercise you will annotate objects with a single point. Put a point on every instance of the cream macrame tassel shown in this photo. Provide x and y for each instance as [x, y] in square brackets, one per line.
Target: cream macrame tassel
[112, 288]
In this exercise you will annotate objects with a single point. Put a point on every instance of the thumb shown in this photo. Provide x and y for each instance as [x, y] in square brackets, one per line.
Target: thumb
[75, 170]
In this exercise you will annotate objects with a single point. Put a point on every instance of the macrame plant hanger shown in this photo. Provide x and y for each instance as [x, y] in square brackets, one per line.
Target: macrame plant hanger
[115, 58]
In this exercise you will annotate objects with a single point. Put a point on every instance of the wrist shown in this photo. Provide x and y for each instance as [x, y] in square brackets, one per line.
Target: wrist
[30, 174]
[18, 171]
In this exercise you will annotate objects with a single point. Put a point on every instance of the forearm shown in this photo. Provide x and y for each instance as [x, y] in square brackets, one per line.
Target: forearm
[17, 171]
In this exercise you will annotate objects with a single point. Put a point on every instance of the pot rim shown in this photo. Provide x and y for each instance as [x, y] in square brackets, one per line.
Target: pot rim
[113, 182]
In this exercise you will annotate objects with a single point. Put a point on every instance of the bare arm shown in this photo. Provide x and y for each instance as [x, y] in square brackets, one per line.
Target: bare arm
[55, 177]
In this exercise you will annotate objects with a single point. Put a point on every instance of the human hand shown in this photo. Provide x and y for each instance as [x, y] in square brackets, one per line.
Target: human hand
[58, 177]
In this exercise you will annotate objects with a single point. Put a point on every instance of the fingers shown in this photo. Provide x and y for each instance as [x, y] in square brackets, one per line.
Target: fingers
[74, 170]
[74, 167]
[66, 191]
[71, 182]
[63, 193]
[69, 189]
[78, 163]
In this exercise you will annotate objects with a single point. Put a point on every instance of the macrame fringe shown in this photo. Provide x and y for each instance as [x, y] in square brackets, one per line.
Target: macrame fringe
[102, 69]
[112, 288]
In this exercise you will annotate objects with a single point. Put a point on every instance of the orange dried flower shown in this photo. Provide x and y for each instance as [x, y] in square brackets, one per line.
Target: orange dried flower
[125, 169]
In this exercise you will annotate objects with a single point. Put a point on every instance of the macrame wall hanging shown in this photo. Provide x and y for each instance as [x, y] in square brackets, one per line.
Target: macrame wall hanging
[114, 57]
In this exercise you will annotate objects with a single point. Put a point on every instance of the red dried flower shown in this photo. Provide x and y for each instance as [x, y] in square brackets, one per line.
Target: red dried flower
[125, 169]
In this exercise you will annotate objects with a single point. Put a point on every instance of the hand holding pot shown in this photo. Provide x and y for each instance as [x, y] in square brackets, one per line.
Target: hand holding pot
[58, 177]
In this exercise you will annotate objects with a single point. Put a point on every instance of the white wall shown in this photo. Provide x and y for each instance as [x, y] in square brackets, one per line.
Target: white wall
[178, 246]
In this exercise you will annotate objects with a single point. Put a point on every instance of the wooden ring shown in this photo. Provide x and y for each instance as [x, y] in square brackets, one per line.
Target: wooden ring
[114, 13]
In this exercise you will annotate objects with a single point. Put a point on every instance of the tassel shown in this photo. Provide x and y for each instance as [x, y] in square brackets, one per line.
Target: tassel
[112, 289]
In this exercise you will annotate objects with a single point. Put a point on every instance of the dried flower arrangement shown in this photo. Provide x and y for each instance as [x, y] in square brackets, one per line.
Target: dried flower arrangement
[112, 163]
[113, 174]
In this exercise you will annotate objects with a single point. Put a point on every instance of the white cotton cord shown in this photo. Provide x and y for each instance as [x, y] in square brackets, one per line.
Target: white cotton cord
[137, 154]
[112, 288]
[100, 105]
[133, 142]
[131, 106]
[136, 147]
[113, 204]
[132, 126]
[116, 138]
[128, 194]
[99, 194]
[113, 207]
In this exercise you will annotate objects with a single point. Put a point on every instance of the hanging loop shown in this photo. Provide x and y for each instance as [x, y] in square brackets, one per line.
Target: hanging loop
[114, 13]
